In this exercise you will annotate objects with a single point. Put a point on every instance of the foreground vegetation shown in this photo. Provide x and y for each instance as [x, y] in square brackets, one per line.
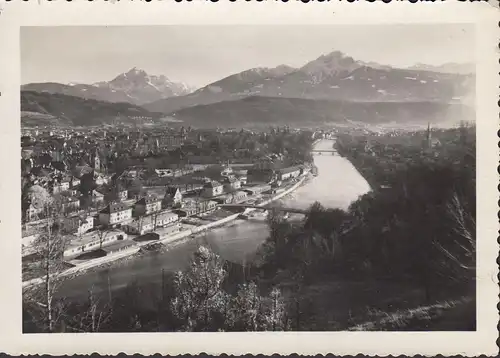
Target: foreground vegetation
[401, 258]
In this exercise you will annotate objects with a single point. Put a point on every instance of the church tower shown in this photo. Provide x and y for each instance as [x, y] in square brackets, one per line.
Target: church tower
[428, 137]
[96, 161]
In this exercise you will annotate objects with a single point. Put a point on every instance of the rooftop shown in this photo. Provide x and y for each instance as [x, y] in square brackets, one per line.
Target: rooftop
[289, 169]
[148, 200]
[114, 208]
[212, 184]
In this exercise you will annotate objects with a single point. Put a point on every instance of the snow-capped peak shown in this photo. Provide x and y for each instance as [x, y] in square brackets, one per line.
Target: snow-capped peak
[141, 87]
[330, 64]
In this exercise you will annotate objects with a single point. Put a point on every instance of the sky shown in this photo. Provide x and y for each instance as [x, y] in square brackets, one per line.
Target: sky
[199, 55]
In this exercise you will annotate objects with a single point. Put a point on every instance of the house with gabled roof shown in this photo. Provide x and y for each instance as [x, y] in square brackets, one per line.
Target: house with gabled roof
[212, 188]
[115, 213]
[173, 198]
[147, 205]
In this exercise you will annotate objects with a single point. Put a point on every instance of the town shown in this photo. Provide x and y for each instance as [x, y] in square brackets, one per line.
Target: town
[122, 189]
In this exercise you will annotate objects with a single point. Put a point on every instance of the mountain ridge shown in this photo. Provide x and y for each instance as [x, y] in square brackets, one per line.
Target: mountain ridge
[333, 76]
[255, 111]
[135, 87]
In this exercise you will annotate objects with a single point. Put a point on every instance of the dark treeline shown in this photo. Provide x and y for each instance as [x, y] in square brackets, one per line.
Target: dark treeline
[408, 244]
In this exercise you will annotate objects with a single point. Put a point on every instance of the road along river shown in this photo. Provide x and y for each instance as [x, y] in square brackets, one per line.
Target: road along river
[338, 184]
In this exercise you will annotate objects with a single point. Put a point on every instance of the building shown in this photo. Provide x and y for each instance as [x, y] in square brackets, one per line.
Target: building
[101, 179]
[170, 141]
[75, 182]
[70, 204]
[147, 205]
[61, 186]
[239, 196]
[187, 211]
[92, 241]
[430, 142]
[115, 213]
[212, 188]
[164, 172]
[123, 194]
[172, 198]
[288, 173]
[203, 206]
[231, 184]
[96, 161]
[241, 175]
[35, 210]
[97, 196]
[258, 189]
[150, 223]
[231, 198]
[260, 175]
[226, 172]
[166, 218]
[78, 224]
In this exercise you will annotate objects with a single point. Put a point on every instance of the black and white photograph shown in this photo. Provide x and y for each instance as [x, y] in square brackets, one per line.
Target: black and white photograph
[248, 178]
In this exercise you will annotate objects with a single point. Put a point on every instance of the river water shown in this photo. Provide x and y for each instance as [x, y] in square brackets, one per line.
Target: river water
[338, 184]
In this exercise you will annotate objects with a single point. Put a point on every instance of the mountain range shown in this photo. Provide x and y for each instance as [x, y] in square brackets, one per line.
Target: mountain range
[330, 77]
[135, 87]
[335, 84]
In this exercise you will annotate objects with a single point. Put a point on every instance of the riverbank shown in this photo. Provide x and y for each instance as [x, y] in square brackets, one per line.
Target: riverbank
[130, 252]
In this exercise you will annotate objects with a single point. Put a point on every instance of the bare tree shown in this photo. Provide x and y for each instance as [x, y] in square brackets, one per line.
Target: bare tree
[92, 317]
[462, 251]
[49, 245]
[101, 234]
[275, 316]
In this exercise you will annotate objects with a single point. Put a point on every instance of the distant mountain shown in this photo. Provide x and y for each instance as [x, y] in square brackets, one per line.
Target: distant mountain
[263, 111]
[61, 109]
[239, 85]
[334, 76]
[134, 86]
[451, 67]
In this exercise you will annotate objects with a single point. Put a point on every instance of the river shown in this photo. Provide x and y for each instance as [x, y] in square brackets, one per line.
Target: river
[338, 184]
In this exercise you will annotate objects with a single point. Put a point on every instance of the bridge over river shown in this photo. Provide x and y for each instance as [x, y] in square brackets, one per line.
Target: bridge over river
[324, 151]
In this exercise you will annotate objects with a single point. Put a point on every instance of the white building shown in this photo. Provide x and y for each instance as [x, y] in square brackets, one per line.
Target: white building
[173, 198]
[149, 223]
[212, 189]
[78, 224]
[288, 173]
[147, 206]
[231, 184]
[92, 241]
[62, 186]
[115, 213]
